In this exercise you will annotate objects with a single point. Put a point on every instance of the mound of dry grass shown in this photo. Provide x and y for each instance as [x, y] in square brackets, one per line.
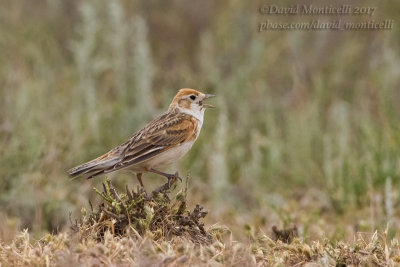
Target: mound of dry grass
[138, 213]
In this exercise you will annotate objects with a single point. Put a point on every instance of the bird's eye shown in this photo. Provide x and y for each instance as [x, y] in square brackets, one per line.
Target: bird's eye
[193, 97]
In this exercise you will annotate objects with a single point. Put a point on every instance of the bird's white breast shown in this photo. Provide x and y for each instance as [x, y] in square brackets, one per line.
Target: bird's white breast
[171, 155]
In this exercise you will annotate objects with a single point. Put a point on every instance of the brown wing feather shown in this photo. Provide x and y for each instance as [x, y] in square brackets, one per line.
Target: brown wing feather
[161, 134]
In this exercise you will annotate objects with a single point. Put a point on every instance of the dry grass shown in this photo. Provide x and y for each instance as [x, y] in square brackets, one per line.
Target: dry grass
[142, 214]
[141, 229]
[65, 249]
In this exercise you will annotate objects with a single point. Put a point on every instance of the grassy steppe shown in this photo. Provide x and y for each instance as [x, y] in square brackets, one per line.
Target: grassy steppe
[306, 131]
[136, 228]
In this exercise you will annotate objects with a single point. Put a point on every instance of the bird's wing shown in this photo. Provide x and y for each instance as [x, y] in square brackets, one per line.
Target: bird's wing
[161, 134]
[158, 136]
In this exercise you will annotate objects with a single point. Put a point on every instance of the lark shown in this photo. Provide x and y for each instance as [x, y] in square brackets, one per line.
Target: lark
[160, 143]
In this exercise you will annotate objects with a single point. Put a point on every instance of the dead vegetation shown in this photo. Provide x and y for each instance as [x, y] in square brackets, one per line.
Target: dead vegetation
[146, 229]
[137, 213]
[65, 250]
[285, 235]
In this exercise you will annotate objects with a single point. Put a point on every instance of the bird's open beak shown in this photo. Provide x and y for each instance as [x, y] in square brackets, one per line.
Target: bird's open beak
[208, 105]
[208, 96]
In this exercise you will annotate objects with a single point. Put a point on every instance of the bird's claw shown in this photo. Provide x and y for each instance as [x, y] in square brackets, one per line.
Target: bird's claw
[176, 176]
[172, 179]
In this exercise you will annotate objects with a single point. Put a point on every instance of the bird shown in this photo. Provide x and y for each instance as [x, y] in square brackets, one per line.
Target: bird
[161, 142]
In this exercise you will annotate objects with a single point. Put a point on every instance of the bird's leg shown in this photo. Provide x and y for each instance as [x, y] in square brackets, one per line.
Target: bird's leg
[139, 177]
[167, 175]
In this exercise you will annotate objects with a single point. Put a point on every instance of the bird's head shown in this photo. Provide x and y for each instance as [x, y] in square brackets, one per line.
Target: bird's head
[191, 101]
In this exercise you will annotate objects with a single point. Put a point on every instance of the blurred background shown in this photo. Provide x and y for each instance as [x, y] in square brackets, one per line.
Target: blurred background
[307, 129]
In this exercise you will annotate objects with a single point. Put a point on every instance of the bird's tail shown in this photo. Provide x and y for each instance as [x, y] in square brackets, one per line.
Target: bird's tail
[93, 167]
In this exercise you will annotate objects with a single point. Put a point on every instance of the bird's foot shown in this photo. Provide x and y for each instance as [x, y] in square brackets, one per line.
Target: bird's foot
[176, 176]
[172, 179]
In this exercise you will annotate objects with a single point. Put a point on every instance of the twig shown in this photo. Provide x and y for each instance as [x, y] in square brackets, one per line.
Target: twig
[91, 206]
[129, 193]
[186, 185]
[115, 216]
